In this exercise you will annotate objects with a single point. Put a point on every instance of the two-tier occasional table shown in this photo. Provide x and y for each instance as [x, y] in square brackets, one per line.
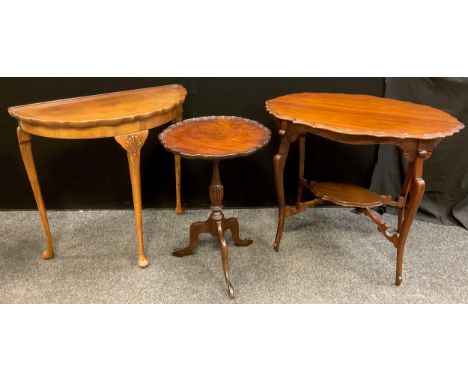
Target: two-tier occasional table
[215, 139]
[126, 116]
[359, 119]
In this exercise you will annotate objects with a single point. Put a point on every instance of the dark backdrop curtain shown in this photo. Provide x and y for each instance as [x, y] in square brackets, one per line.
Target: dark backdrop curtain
[446, 172]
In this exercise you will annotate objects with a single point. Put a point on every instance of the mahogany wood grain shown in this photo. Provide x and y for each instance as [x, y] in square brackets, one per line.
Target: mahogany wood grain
[359, 119]
[127, 116]
[177, 166]
[364, 115]
[24, 140]
[102, 115]
[215, 138]
[302, 142]
[347, 195]
[132, 144]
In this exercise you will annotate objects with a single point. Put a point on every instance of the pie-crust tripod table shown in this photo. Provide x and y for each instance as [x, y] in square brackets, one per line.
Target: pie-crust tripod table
[215, 139]
[125, 116]
[359, 119]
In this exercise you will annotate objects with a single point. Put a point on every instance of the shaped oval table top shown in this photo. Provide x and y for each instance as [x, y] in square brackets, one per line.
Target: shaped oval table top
[94, 116]
[364, 115]
[215, 137]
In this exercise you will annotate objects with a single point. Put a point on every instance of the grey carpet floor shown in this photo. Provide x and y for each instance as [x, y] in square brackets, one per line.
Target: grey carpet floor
[328, 255]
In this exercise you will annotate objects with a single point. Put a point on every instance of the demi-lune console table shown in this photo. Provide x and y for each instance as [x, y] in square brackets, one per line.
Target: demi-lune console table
[125, 116]
[359, 119]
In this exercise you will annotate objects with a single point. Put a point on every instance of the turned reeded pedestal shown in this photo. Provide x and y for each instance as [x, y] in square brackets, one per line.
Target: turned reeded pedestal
[215, 139]
[126, 116]
[359, 119]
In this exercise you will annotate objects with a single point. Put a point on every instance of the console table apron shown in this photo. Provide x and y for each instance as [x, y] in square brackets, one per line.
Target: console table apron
[125, 116]
[359, 119]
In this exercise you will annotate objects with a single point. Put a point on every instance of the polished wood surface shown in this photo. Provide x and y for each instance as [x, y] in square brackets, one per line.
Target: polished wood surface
[103, 115]
[102, 109]
[133, 144]
[178, 168]
[127, 116]
[216, 225]
[359, 119]
[346, 195]
[24, 140]
[364, 115]
[215, 137]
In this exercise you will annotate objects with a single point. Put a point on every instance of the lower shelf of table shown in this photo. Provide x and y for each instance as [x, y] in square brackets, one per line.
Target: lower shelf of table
[348, 195]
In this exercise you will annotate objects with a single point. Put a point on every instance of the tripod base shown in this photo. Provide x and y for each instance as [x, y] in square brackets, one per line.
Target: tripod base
[216, 227]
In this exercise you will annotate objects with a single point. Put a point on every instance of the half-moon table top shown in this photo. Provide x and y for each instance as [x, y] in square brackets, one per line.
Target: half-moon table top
[364, 115]
[216, 137]
[94, 116]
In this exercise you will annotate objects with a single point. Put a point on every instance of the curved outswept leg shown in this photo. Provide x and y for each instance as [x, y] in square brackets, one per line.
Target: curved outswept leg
[416, 186]
[302, 141]
[225, 259]
[405, 189]
[216, 225]
[24, 140]
[279, 161]
[196, 229]
[132, 144]
[233, 225]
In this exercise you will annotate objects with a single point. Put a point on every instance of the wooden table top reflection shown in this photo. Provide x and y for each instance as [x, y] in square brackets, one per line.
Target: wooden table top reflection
[215, 139]
[126, 116]
[359, 119]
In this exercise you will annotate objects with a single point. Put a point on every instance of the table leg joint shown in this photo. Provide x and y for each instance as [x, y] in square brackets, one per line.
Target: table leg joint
[302, 206]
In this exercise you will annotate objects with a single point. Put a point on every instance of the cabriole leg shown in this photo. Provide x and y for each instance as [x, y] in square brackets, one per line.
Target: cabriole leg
[195, 230]
[132, 144]
[405, 192]
[302, 141]
[225, 259]
[233, 225]
[279, 161]
[24, 140]
[415, 188]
